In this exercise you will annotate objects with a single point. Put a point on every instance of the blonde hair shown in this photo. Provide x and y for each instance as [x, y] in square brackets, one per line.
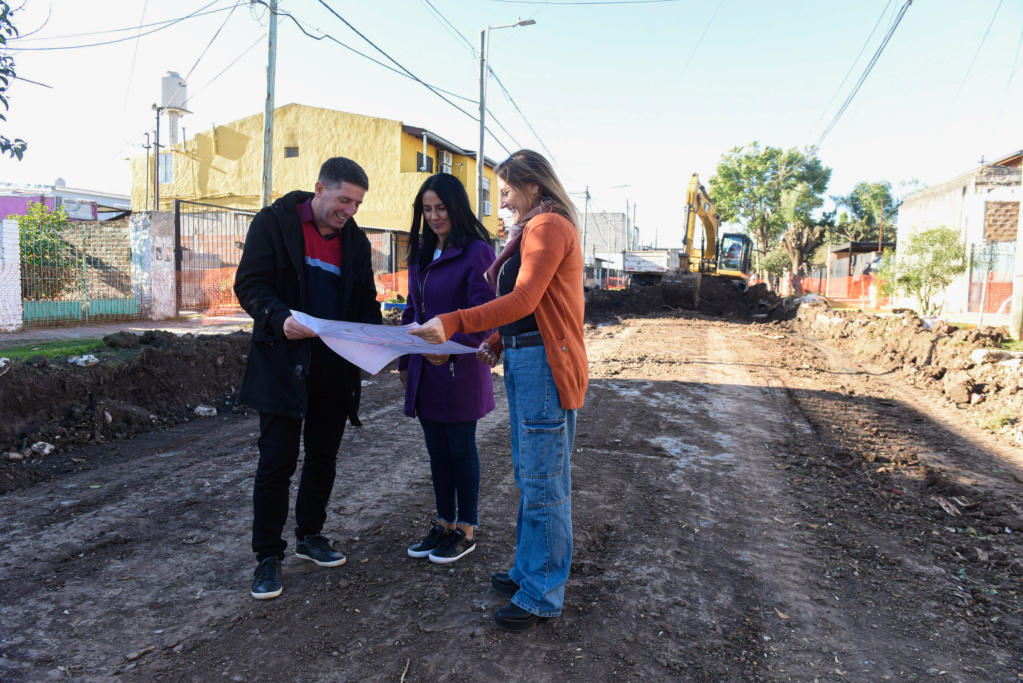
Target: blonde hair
[526, 167]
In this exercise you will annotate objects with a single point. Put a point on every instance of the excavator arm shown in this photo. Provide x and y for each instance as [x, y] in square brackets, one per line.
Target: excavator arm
[698, 204]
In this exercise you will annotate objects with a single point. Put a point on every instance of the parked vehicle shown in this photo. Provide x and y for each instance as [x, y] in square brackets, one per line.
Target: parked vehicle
[647, 267]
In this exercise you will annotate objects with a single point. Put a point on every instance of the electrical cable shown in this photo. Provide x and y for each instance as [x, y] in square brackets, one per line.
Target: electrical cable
[452, 30]
[974, 61]
[112, 30]
[236, 59]
[510, 99]
[301, 27]
[866, 72]
[700, 42]
[609, 2]
[853, 65]
[119, 40]
[134, 56]
[206, 49]
[503, 89]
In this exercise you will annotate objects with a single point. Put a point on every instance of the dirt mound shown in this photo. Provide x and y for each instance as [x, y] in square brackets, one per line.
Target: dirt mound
[128, 392]
[719, 298]
[966, 366]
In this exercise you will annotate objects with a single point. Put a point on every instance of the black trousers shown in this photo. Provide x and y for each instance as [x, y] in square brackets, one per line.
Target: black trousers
[279, 436]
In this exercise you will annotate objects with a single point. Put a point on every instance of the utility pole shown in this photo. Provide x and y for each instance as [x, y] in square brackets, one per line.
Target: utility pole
[148, 147]
[156, 161]
[484, 47]
[628, 233]
[635, 230]
[266, 188]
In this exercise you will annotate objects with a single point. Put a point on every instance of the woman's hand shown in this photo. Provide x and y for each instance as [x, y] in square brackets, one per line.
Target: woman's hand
[403, 376]
[293, 329]
[486, 355]
[432, 332]
[437, 358]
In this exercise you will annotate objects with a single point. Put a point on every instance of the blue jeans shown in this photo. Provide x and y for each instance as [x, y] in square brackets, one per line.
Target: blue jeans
[542, 435]
[455, 466]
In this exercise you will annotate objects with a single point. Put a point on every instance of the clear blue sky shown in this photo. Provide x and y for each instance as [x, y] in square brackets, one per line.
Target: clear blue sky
[604, 86]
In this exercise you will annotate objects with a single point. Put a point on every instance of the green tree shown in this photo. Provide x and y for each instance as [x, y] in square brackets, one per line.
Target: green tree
[48, 262]
[869, 205]
[16, 147]
[776, 263]
[804, 234]
[926, 264]
[749, 182]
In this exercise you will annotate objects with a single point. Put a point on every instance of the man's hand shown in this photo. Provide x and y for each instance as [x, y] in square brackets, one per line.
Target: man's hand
[432, 332]
[403, 375]
[293, 329]
[437, 358]
[486, 355]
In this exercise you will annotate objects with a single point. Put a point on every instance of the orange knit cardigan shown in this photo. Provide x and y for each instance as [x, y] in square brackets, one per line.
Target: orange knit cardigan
[550, 285]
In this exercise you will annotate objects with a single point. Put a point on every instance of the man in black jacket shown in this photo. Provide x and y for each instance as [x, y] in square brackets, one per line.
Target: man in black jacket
[303, 253]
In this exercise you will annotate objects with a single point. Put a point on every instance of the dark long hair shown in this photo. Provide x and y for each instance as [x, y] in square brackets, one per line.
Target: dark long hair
[465, 227]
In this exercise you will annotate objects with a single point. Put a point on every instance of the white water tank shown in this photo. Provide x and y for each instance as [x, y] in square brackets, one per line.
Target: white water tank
[174, 91]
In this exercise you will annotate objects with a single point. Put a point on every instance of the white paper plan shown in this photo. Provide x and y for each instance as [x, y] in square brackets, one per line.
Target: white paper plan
[371, 347]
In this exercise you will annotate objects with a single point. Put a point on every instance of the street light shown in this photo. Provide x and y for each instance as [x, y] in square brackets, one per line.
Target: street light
[484, 48]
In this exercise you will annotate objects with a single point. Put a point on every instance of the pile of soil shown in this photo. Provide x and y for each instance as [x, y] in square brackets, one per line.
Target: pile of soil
[157, 384]
[966, 367]
[719, 298]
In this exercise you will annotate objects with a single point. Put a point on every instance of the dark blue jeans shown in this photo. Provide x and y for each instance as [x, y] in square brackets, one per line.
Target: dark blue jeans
[455, 465]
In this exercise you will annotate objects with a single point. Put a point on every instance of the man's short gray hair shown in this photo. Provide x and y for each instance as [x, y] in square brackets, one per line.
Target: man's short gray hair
[343, 170]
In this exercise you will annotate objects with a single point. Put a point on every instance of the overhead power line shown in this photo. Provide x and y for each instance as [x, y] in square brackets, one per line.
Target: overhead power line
[25, 38]
[700, 42]
[974, 60]
[863, 76]
[448, 26]
[302, 26]
[853, 65]
[493, 73]
[608, 2]
[164, 25]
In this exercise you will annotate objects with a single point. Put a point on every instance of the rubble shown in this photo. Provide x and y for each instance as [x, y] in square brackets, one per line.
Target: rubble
[967, 367]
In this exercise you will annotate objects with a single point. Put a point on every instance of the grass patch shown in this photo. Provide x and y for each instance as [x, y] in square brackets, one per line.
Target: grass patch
[52, 348]
[1013, 345]
[1001, 419]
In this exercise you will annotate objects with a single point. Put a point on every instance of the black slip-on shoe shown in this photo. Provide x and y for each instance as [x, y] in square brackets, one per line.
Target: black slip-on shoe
[511, 617]
[503, 585]
[318, 549]
[430, 542]
[454, 546]
[266, 583]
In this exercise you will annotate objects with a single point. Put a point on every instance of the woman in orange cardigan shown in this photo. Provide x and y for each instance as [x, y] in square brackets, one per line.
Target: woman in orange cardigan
[539, 316]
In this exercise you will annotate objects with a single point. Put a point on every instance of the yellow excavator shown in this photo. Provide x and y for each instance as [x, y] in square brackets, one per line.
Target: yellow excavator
[727, 257]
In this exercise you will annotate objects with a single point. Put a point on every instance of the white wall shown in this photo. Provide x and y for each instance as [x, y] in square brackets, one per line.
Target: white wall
[10, 278]
[152, 263]
[960, 203]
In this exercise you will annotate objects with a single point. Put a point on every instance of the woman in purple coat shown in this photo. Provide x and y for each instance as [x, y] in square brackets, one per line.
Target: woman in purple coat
[449, 253]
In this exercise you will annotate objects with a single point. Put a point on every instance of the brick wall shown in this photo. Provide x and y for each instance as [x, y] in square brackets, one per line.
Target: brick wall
[1001, 221]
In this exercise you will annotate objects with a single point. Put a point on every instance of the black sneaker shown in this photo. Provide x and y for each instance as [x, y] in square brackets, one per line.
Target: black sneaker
[318, 549]
[430, 542]
[454, 546]
[266, 583]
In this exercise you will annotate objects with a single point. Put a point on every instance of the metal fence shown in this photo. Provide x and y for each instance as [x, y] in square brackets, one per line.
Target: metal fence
[390, 268]
[209, 242]
[75, 273]
[991, 267]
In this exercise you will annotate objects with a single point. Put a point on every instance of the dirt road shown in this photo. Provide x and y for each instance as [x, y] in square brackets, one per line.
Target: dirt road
[748, 506]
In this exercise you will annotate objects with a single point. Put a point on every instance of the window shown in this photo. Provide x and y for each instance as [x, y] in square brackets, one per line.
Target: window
[487, 207]
[290, 152]
[165, 172]
[419, 163]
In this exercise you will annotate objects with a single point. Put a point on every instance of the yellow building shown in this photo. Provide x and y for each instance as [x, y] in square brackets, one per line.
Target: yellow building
[224, 165]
